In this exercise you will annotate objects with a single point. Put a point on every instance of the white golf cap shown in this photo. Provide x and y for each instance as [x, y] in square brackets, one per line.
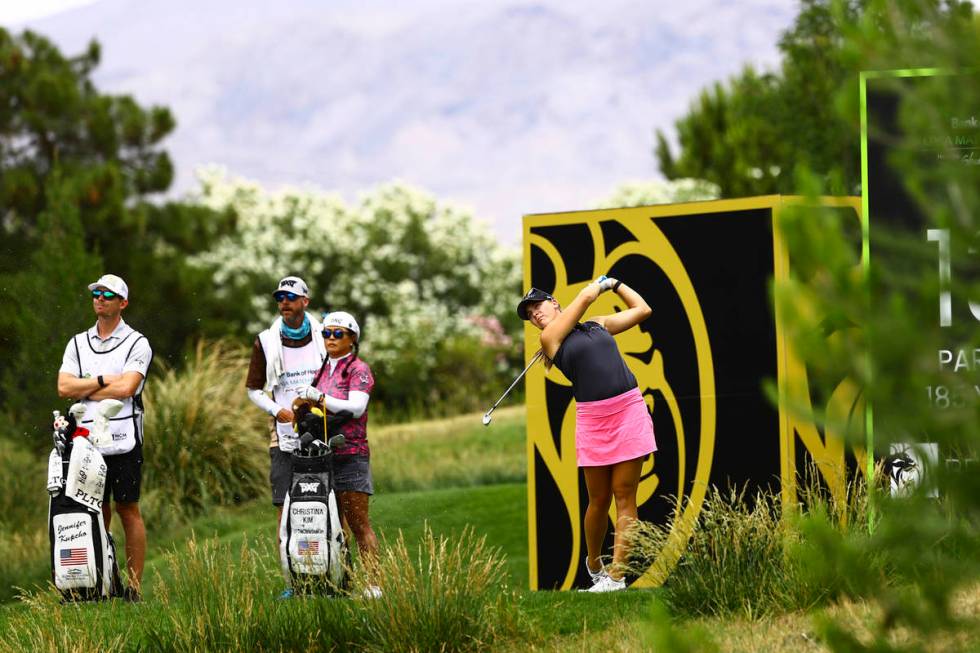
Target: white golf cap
[294, 285]
[113, 283]
[342, 319]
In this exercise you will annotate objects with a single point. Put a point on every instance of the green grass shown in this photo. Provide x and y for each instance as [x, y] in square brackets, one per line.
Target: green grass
[464, 503]
[454, 452]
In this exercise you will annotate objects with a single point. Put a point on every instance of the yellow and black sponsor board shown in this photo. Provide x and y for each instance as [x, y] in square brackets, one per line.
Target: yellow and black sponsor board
[701, 361]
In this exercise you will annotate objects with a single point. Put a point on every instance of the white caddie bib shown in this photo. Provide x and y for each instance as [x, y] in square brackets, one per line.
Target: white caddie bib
[300, 365]
[127, 426]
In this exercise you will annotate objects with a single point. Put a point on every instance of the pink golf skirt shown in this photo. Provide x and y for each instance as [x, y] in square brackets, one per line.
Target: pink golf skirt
[612, 430]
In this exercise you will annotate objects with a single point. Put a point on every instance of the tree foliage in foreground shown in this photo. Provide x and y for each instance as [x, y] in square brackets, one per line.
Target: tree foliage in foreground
[881, 331]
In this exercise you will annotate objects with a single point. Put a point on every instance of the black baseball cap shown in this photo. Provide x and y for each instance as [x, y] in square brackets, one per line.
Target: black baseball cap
[532, 297]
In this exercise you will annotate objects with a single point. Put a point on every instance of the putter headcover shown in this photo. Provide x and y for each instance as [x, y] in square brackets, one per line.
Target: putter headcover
[77, 411]
[104, 411]
[307, 417]
[108, 408]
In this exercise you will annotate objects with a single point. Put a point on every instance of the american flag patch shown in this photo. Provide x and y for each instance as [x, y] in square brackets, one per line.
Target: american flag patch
[72, 557]
[308, 548]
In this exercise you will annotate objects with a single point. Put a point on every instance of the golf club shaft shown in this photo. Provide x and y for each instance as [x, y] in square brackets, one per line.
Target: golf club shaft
[519, 377]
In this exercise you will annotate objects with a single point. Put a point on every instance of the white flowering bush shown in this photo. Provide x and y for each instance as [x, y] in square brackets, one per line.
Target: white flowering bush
[647, 193]
[425, 280]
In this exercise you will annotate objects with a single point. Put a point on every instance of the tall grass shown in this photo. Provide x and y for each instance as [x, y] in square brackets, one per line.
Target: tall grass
[24, 561]
[206, 444]
[447, 596]
[746, 558]
[23, 519]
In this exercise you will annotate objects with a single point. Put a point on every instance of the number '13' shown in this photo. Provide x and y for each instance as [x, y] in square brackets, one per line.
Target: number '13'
[941, 238]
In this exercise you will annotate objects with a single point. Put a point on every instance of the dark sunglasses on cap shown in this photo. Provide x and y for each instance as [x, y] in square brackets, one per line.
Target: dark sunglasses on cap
[335, 333]
[280, 296]
[107, 295]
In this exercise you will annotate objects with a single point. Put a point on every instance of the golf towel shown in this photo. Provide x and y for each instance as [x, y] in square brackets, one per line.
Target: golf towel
[613, 430]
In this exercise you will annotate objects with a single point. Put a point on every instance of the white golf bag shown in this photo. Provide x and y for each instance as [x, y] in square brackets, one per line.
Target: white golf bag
[83, 554]
[312, 547]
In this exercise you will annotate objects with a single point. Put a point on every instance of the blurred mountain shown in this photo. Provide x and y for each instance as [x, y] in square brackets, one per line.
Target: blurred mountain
[509, 107]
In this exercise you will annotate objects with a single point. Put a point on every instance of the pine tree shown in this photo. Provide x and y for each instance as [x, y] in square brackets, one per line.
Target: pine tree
[48, 302]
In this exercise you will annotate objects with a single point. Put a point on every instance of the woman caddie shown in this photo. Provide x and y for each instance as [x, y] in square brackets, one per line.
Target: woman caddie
[613, 429]
[344, 384]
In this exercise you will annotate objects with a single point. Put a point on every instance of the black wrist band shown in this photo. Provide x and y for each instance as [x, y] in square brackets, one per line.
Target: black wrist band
[617, 285]
[101, 381]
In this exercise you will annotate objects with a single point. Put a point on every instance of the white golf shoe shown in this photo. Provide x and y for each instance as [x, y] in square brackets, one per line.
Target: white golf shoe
[372, 592]
[596, 576]
[608, 584]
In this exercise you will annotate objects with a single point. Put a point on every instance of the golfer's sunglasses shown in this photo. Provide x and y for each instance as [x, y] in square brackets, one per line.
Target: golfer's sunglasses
[335, 333]
[107, 295]
[291, 296]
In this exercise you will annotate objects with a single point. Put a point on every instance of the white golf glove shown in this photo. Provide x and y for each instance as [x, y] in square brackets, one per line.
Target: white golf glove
[310, 393]
[605, 283]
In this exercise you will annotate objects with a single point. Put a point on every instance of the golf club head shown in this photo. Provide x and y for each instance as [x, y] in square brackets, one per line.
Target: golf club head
[338, 440]
[487, 418]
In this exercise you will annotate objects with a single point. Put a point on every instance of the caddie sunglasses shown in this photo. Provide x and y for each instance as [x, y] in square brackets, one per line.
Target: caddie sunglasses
[335, 333]
[280, 296]
[107, 295]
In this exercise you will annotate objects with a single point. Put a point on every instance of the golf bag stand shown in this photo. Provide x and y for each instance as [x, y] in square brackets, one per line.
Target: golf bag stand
[312, 548]
[83, 553]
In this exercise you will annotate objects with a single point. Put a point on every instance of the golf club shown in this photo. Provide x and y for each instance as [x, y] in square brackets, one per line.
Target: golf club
[486, 416]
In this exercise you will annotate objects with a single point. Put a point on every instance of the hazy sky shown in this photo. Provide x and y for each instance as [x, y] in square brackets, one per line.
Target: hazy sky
[506, 106]
[16, 11]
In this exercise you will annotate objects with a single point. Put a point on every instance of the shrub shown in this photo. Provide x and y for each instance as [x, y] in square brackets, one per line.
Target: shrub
[427, 282]
[206, 443]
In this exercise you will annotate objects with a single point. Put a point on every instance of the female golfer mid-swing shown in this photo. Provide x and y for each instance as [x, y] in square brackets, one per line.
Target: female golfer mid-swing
[613, 430]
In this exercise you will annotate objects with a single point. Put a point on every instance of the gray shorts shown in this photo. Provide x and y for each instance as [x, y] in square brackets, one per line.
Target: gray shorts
[353, 474]
[280, 474]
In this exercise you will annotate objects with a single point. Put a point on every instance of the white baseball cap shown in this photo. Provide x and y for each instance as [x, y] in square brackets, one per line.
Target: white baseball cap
[342, 319]
[113, 283]
[294, 285]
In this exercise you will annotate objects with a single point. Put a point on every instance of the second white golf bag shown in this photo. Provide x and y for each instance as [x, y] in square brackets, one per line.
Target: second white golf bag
[83, 554]
[312, 547]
